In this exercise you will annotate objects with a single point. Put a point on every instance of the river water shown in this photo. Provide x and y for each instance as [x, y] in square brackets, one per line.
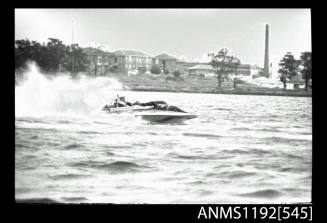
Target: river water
[240, 149]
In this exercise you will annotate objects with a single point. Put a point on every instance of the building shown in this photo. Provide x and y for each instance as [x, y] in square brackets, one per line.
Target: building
[120, 61]
[243, 70]
[296, 82]
[247, 70]
[256, 71]
[130, 60]
[180, 66]
[201, 70]
[184, 67]
[99, 61]
[165, 62]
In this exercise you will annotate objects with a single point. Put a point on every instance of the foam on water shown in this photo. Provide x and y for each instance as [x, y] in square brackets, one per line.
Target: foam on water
[40, 96]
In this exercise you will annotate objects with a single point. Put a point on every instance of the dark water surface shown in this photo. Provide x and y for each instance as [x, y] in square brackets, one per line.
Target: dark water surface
[239, 149]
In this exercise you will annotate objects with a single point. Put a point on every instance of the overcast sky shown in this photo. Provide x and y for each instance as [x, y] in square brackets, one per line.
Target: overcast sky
[188, 33]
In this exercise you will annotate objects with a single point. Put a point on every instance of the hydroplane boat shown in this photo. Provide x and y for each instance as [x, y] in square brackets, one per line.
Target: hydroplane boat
[153, 111]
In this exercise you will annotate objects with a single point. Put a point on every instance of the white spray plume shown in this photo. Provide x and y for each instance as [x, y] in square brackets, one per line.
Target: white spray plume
[39, 95]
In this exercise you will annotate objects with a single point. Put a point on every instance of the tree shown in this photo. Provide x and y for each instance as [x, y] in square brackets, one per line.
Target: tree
[22, 53]
[39, 54]
[155, 69]
[306, 67]
[176, 73]
[56, 52]
[233, 65]
[50, 56]
[225, 64]
[75, 59]
[288, 68]
[166, 71]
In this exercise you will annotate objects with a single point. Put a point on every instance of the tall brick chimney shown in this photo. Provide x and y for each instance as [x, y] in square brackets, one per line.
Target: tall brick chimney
[266, 63]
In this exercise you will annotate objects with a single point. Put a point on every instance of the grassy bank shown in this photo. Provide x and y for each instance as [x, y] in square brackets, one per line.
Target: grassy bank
[188, 84]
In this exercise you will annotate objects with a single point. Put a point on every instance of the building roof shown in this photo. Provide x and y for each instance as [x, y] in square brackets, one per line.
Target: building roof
[243, 71]
[201, 67]
[130, 53]
[164, 56]
[244, 66]
[190, 64]
[256, 67]
[95, 51]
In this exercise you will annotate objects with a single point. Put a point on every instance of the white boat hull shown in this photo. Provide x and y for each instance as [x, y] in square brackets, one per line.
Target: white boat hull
[129, 109]
[159, 116]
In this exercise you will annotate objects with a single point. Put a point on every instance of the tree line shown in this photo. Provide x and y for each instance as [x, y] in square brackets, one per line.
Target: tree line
[226, 64]
[53, 56]
[291, 67]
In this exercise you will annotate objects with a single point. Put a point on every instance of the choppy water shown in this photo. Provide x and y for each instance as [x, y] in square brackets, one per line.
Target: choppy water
[244, 149]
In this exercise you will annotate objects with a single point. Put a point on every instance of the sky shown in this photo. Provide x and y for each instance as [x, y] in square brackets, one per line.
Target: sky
[188, 34]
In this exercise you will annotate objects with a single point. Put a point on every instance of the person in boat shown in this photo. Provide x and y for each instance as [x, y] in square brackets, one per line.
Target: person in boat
[160, 105]
[121, 102]
[151, 103]
[118, 102]
[157, 105]
[166, 107]
[124, 102]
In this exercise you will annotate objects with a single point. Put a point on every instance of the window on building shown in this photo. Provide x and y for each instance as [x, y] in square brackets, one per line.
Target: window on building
[99, 60]
[115, 59]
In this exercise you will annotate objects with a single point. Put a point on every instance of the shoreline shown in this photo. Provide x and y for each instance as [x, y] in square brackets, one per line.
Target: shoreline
[232, 92]
[189, 84]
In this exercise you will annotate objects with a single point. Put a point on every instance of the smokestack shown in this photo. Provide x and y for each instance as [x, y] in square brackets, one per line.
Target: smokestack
[266, 64]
